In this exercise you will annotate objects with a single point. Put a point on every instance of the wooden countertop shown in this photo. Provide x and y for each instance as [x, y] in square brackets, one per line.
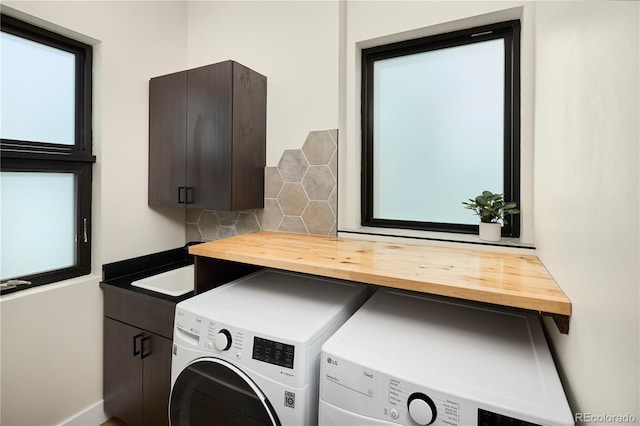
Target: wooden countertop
[514, 280]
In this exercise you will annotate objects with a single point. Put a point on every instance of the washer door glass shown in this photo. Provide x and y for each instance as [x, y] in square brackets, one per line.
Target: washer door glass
[212, 392]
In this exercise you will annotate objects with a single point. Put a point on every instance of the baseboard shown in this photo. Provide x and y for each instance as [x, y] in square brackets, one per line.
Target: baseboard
[91, 416]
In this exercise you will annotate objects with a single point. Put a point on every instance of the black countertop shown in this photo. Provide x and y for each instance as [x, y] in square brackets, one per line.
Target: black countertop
[121, 274]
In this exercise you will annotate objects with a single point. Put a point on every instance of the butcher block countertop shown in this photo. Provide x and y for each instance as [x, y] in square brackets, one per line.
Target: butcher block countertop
[513, 280]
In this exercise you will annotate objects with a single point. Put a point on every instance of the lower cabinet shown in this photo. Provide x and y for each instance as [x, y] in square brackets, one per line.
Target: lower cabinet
[137, 363]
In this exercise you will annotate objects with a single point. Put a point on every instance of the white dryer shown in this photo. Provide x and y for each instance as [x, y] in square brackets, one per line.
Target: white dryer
[410, 359]
[247, 353]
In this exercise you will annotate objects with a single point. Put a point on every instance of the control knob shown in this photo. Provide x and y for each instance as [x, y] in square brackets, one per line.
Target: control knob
[222, 340]
[422, 410]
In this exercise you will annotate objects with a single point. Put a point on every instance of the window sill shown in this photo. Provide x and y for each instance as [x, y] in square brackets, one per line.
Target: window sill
[442, 239]
[30, 291]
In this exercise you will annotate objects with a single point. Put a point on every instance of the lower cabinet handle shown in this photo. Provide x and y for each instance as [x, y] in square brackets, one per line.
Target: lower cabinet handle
[146, 349]
[136, 351]
[181, 190]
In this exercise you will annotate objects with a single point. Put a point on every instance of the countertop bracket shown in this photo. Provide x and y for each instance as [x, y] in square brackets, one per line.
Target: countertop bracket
[562, 321]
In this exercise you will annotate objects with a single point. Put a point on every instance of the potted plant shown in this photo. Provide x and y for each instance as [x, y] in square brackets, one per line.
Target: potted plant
[491, 208]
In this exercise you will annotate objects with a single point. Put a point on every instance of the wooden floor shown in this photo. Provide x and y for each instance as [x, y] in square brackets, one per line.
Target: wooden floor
[114, 422]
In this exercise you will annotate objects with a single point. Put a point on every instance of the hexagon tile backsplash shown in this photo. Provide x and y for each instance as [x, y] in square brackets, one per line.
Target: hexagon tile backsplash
[300, 196]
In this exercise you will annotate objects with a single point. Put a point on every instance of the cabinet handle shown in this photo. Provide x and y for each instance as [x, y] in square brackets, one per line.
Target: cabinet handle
[189, 195]
[181, 190]
[145, 353]
[136, 351]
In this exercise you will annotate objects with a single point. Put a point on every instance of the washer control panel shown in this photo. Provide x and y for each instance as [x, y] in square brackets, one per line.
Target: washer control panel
[222, 340]
[210, 336]
[262, 354]
[272, 352]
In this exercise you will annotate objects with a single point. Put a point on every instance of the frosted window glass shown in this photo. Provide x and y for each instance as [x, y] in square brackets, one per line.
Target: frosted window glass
[438, 132]
[38, 92]
[37, 222]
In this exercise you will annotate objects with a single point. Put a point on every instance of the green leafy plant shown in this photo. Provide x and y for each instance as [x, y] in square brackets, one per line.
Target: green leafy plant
[491, 207]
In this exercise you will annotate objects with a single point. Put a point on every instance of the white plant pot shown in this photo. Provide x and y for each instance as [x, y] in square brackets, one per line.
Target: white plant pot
[490, 231]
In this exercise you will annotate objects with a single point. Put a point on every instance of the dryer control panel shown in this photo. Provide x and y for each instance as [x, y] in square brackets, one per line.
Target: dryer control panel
[372, 394]
[357, 389]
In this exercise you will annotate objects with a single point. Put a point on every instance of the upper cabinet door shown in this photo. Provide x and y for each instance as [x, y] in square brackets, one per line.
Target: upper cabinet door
[167, 140]
[224, 139]
[209, 136]
[249, 135]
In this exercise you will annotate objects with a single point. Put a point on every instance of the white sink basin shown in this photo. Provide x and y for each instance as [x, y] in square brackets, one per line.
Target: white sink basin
[173, 283]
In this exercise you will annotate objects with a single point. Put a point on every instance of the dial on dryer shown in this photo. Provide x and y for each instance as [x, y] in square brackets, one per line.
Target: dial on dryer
[422, 410]
[222, 340]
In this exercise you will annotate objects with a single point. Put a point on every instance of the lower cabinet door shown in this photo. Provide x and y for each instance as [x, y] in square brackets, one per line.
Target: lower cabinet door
[137, 374]
[156, 373]
[122, 372]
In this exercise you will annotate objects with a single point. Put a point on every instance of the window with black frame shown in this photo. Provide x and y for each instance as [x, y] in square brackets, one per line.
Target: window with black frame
[46, 156]
[440, 124]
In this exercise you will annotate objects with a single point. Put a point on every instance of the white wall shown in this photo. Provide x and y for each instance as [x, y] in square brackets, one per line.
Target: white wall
[587, 190]
[293, 43]
[51, 353]
[52, 336]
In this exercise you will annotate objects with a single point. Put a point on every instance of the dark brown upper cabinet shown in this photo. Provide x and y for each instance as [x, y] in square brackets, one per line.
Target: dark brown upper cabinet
[207, 138]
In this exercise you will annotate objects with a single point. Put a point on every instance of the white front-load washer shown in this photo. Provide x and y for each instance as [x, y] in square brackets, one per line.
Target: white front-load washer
[247, 353]
[411, 359]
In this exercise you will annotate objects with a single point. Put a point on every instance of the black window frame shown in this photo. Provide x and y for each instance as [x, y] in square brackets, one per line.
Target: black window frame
[34, 156]
[510, 32]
